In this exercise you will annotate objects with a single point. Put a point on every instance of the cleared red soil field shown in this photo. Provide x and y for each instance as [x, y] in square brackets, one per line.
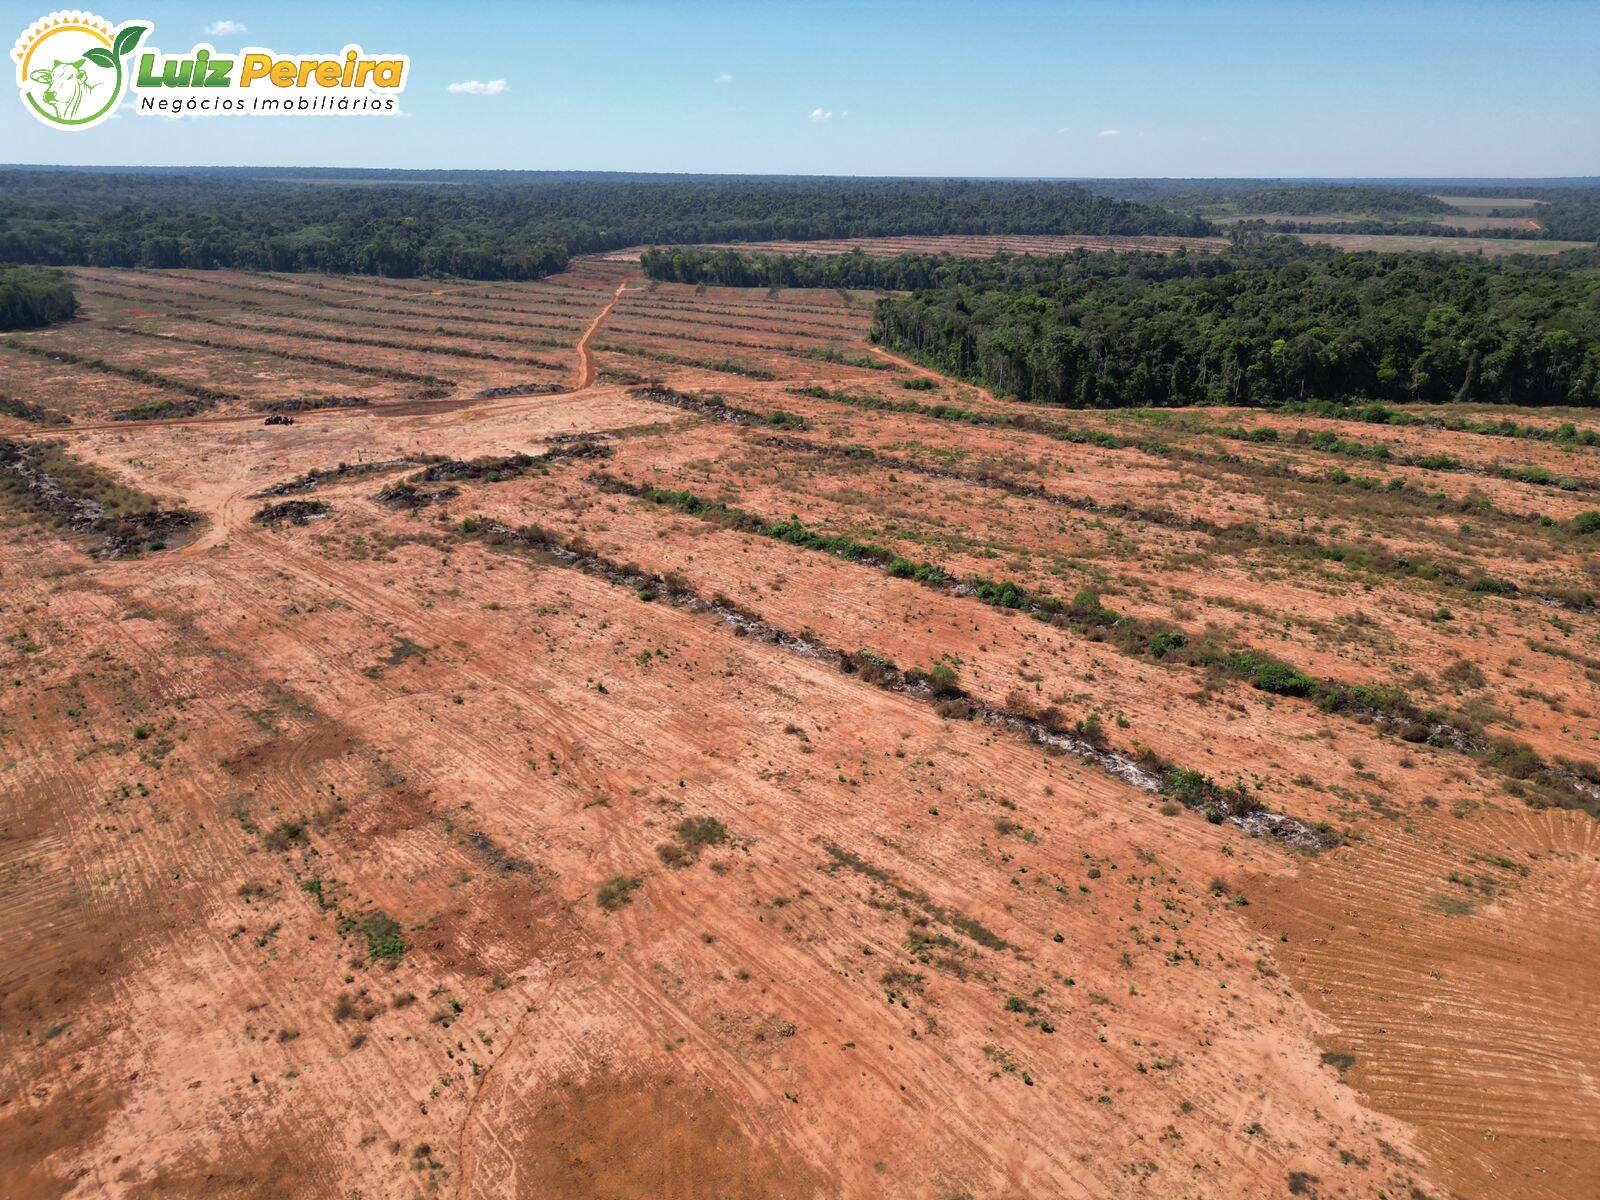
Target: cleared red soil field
[399, 848]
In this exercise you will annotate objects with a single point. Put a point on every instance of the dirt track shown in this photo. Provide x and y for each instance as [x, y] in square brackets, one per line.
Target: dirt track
[914, 954]
[586, 367]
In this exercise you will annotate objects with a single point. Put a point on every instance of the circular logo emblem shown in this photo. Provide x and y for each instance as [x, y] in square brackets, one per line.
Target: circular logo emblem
[72, 67]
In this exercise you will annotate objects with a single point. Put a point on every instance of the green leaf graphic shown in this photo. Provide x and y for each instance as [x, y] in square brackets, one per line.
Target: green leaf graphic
[128, 39]
[100, 57]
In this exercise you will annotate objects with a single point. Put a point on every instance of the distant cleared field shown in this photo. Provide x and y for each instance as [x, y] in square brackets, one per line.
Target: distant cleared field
[1483, 205]
[962, 246]
[1488, 223]
[1455, 222]
[1443, 245]
[1275, 218]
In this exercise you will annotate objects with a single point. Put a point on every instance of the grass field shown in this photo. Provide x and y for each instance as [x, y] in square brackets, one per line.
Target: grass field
[631, 740]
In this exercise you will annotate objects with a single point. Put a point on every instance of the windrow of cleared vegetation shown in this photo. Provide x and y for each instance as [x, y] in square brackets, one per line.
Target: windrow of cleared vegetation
[1392, 487]
[1224, 537]
[939, 685]
[199, 397]
[1563, 784]
[49, 483]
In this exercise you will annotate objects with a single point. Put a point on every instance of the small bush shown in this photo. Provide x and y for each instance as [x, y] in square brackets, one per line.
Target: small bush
[383, 937]
[700, 832]
[674, 855]
[1339, 1060]
[617, 892]
[943, 679]
[1003, 594]
[288, 833]
[1279, 678]
[1166, 642]
[1086, 607]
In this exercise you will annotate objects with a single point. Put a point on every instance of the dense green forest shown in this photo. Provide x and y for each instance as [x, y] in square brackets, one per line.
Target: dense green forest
[1263, 325]
[488, 225]
[30, 297]
[1309, 200]
[1267, 322]
[918, 272]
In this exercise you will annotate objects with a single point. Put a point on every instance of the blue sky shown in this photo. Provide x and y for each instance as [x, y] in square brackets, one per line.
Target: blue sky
[1139, 88]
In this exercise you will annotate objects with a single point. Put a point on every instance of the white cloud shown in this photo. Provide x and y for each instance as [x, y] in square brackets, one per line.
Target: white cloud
[724, 79]
[477, 87]
[225, 28]
[1109, 133]
[821, 114]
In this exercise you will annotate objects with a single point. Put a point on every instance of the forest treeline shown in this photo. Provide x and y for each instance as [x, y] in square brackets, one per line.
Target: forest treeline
[1266, 322]
[1263, 325]
[30, 297]
[1315, 199]
[1379, 226]
[916, 272]
[484, 228]
[1554, 225]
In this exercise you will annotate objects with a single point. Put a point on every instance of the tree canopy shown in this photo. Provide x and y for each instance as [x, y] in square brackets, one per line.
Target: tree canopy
[487, 225]
[30, 297]
[1261, 326]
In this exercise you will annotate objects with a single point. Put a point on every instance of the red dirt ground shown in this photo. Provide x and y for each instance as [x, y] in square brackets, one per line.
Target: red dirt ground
[920, 955]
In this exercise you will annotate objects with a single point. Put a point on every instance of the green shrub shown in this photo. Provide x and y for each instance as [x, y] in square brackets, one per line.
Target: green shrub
[617, 892]
[1186, 787]
[383, 937]
[1004, 594]
[1270, 675]
[943, 679]
[1166, 642]
[702, 831]
[1086, 607]
[288, 833]
[674, 855]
